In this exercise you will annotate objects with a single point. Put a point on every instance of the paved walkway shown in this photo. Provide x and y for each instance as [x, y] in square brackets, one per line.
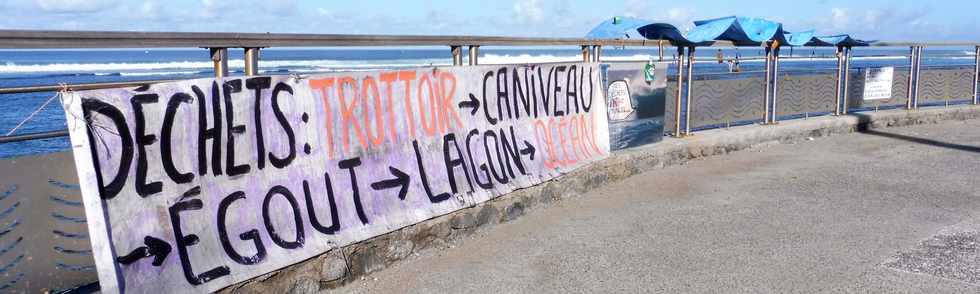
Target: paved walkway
[893, 210]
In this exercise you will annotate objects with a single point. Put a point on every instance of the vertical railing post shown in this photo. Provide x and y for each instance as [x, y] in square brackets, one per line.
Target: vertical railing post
[838, 87]
[847, 79]
[474, 55]
[918, 70]
[775, 83]
[660, 44]
[768, 86]
[909, 93]
[585, 53]
[597, 53]
[976, 75]
[252, 61]
[220, 58]
[690, 91]
[457, 52]
[680, 92]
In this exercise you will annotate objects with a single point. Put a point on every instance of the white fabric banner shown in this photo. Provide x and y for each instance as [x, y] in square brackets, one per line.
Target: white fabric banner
[196, 185]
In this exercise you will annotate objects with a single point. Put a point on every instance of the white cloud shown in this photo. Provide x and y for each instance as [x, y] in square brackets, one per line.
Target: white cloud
[214, 8]
[74, 6]
[151, 10]
[838, 18]
[280, 7]
[528, 11]
[885, 23]
[324, 12]
[681, 17]
[635, 8]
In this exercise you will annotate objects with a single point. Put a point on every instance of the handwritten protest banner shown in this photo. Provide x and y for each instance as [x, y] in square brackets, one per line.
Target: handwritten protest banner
[196, 185]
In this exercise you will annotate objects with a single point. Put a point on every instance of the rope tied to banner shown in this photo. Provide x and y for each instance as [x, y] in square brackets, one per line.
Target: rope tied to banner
[64, 88]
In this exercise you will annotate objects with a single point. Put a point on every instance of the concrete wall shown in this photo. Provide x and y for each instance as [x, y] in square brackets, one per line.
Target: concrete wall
[350, 263]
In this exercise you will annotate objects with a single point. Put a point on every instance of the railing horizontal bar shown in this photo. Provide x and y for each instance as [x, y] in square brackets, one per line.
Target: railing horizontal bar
[32, 39]
[38, 39]
[33, 136]
[80, 87]
[923, 44]
[110, 85]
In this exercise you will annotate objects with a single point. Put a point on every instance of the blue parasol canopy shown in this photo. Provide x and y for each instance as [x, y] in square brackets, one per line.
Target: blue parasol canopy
[742, 31]
[619, 27]
[799, 38]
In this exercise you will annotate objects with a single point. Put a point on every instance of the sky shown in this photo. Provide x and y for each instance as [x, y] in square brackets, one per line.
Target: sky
[894, 20]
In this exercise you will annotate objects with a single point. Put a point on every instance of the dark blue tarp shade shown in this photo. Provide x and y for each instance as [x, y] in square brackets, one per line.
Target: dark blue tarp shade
[619, 27]
[663, 31]
[836, 40]
[742, 31]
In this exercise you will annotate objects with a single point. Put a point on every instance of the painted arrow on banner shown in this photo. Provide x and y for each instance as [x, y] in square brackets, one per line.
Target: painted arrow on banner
[157, 248]
[401, 180]
[528, 149]
[472, 103]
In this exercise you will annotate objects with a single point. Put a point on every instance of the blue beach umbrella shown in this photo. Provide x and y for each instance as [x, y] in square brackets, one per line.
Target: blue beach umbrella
[619, 27]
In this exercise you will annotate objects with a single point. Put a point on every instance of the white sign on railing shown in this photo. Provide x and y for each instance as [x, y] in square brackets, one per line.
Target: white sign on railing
[196, 185]
[878, 83]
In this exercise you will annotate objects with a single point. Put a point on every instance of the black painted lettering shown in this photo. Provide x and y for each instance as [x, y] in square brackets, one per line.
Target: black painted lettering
[251, 235]
[545, 89]
[486, 106]
[110, 190]
[512, 152]
[166, 139]
[521, 97]
[286, 128]
[483, 166]
[557, 89]
[231, 87]
[258, 84]
[311, 211]
[350, 164]
[143, 188]
[297, 218]
[503, 95]
[185, 241]
[425, 181]
[204, 133]
[586, 107]
[449, 141]
[496, 144]
[571, 90]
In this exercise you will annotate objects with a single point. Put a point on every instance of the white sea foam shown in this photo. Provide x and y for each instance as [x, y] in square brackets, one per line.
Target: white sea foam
[327, 65]
[155, 73]
[185, 66]
[524, 59]
[548, 58]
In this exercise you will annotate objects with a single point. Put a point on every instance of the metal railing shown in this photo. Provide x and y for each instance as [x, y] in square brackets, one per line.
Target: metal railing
[252, 43]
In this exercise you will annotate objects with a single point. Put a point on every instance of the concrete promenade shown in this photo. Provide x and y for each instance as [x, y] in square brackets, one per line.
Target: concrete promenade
[886, 210]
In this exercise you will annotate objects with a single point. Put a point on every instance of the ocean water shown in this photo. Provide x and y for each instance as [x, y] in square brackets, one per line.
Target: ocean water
[52, 67]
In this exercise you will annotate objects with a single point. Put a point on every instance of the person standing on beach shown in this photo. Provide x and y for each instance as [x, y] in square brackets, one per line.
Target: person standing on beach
[720, 56]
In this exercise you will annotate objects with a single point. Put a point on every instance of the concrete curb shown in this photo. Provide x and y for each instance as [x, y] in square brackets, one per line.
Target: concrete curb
[347, 264]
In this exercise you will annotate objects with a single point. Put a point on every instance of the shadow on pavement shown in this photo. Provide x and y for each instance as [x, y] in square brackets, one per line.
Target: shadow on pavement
[864, 120]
